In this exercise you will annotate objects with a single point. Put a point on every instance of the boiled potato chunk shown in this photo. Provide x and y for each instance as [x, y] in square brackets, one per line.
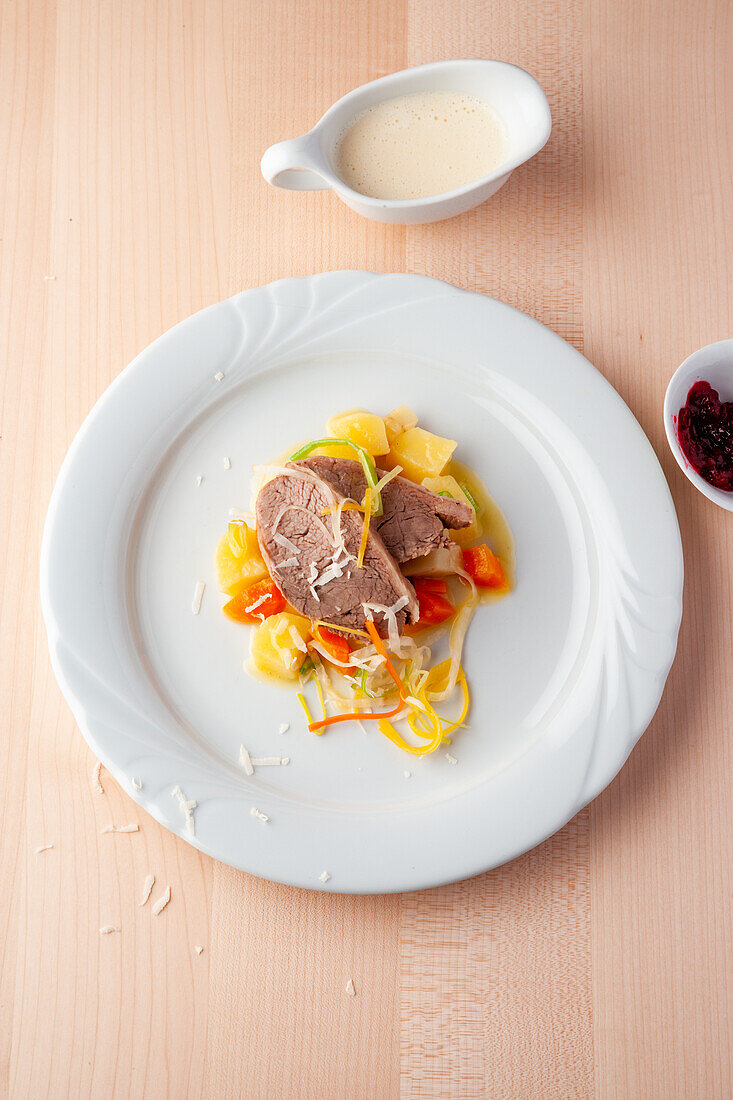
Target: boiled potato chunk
[363, 428]
[274, 649]
[448, 484]
[238, 562]
[421, 454]
[398, 421]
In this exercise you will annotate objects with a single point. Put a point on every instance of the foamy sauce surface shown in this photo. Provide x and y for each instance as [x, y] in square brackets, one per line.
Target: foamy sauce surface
[420, 144]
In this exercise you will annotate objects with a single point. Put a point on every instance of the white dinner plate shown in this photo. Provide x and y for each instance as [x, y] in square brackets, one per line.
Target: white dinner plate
[566, 672]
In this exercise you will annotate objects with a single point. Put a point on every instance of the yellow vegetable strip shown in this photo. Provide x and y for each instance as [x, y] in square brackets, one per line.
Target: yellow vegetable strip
[304, 705]
[466, 704]
[344, 506]
[365, 528]
[390, 732]
[340, 629]
[319, 689]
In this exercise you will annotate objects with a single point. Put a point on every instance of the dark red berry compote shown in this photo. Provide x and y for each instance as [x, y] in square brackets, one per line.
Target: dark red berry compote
[705, 432]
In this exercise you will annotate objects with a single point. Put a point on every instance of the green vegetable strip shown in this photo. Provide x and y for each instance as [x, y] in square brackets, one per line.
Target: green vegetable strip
[366, 460]
[471, 498]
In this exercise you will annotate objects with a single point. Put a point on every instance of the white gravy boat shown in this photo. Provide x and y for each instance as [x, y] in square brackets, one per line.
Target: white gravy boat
[307, 163]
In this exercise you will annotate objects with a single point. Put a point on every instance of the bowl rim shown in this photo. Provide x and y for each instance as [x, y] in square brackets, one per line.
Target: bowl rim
[693, 365]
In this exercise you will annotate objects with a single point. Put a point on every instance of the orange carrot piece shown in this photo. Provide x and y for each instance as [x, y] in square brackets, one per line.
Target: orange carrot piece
[335, 644]
[484, 567]
[257, 602]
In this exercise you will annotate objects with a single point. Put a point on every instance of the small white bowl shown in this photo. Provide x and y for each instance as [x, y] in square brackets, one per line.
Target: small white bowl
[713, 364]
[307, 163]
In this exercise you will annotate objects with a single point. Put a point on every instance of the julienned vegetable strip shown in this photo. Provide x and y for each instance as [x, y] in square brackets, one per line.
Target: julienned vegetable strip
[366, 460]
[314, 727]
[365, 529]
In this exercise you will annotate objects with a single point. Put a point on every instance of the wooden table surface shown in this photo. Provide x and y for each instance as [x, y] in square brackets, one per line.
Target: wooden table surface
[130, 196]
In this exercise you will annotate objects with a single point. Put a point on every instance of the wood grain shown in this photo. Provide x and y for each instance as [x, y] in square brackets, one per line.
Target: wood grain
[130, 195]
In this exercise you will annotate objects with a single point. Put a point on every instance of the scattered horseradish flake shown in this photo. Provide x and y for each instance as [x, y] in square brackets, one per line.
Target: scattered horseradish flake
[198, 595]
[187, 808]
[162, 901]
[147, 890]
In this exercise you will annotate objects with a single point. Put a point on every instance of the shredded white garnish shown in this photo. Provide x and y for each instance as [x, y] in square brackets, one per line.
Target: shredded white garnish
[390, 615]
[270, 761]
[314, 594]
[137, 783]
[147, 890]
[386, 479]
[199, 479]
[96, 777]
[227, 462]
[107, 928]
[450, 758]
[297, 640]
[198, 948]
[284, 727]
[246, 760]
[198, 595]
[162, 901]
[324, 876]
[256, 604]
[49, 278]
[281, 540]
[218, 377]
[121, 828]
[350, 988]
[43, 848]
[187, 808]
[259, 814]
[407, 774]
[287, 563]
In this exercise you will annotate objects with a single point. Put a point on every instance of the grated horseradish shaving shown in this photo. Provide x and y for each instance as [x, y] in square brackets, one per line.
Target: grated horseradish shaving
[218, 377]
[259, 814]
[187, 808]
[450, 758]
[199, 479]
[227, 462]
[43, 848]
[107, 928]
[198, 948]
[350, 988]
[270, 761]
[121, 828]
[284, 727]
[324, 876]
[137, 783]
[245, 760]
[147, 890]
[198, 595]
[96, 777]
[281, 540]
[162, 901]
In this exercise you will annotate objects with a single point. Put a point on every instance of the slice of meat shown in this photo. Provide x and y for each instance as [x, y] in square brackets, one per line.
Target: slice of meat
[316, 578]
[414, 521]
